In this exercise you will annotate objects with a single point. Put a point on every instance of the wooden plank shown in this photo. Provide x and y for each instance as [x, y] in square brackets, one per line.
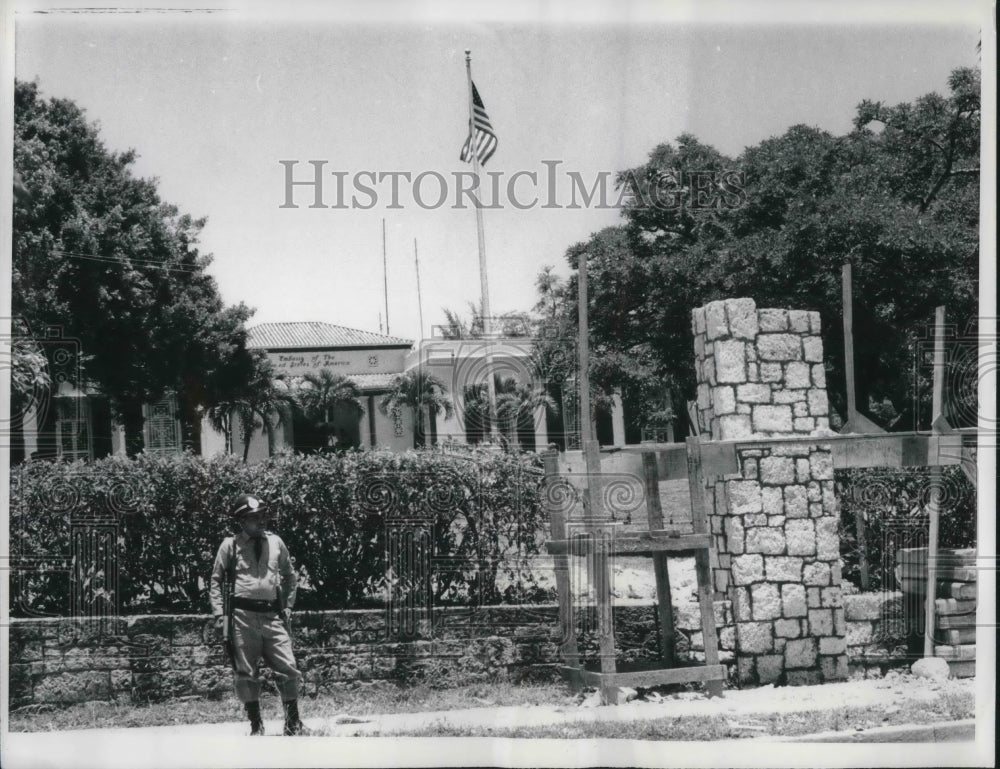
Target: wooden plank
[564, 590]
[708, 673]
[961, 652]
[965, 591]
[638, 544]
[962, 635]
[962, 669]
[847, 301]
[933, 512]
[956, 621]
[664, 602]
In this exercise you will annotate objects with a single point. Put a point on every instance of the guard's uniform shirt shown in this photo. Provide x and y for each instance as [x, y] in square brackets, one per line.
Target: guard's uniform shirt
[258, 633]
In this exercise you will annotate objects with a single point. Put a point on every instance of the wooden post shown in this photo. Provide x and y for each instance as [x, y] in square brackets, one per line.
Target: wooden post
[598, 530]
[706, 588]
[654, 513]
[564, 586]
[933, 512]
[848, 311]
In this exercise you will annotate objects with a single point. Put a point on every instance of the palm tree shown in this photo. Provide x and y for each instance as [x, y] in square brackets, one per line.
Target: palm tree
[321, 394]
[516, 404]
[262, 402]
[417, 391]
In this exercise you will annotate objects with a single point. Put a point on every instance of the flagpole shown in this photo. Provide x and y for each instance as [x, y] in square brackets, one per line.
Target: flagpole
[385, 278]
[484, 289]
[420, 303]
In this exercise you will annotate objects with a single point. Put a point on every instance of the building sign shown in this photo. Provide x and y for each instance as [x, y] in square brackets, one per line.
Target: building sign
[360, 361]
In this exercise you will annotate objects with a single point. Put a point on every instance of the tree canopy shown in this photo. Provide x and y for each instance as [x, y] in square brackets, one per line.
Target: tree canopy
[896, 197]
[98, 255]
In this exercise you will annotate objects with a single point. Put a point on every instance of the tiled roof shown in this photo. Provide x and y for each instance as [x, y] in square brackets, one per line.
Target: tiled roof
[273, 336]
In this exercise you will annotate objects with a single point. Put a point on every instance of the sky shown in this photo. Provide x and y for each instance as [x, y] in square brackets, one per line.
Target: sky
[213, 103]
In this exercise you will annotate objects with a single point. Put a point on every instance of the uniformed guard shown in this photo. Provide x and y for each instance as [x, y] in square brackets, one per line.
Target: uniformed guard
[255, 566]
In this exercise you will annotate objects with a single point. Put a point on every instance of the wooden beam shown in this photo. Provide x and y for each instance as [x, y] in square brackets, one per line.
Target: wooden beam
[933, 512]
[664, 602]
[712, 673]
[644, 543]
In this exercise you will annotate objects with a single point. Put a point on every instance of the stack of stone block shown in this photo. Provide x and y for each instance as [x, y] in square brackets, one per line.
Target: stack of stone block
[760, 375]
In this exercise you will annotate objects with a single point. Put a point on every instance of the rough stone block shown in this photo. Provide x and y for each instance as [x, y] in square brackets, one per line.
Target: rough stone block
[804, 424]
[776, 521]
[800, 536]
[814, 322]
[821, 465]
[754, 519]
[763, 539]
[743, 408]
[741, 603]
[774, 419]
[795, 505]
[820, 622]
[716, 326]
[734, 534]
[827, 538]
[748, 569]
[699, 348]
[860, 632]
[744, 497]
[819, 376]
[698, 321]
[831, 597]
[722, 581]
[812, 597]
[779, 568]
[770, 372]
[797, 375]
[800, 410]
[869, 606]
[753, 637]
[704, 396]
[830, 503]
[708, 370]
[793, 600]
[779, 347]
[812, 349]
[730, 361]
[766, 601]
[753, 393]
[814, 492]
[817, 573]
[771, 500]
[777, 471]
[770, 320]
[819, 405]
[792, 397]
[742, 314]
[727, 638]
[800, 653]
[73, 687]
[753, 369]
[787, 628]
[745, 670]
[834, 668]
[802, 470]
[835, 574]
[723, 400]
[751, 470]
[832, 645]
[734, 427]
[770, 667]
[803, 677]
[816, 510]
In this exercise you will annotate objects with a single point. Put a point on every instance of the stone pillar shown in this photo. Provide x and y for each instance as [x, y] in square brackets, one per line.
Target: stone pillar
[760, 374]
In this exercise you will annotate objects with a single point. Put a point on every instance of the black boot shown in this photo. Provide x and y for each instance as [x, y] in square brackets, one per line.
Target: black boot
[256, 724]
[293, 724]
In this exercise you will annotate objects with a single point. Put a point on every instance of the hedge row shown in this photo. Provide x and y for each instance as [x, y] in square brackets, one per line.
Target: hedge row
[360, 527]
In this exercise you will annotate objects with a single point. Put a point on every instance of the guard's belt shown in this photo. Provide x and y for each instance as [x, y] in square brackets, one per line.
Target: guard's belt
[255, 604]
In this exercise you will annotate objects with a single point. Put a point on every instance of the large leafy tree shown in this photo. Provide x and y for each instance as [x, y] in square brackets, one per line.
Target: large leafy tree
[100, 257]
[322, 394]
[897, 197]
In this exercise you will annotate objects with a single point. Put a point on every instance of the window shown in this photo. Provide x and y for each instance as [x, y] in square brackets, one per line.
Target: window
[73, 433]
[162, 430]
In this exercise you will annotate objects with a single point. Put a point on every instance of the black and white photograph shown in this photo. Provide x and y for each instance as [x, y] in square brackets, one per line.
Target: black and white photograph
[497, 384]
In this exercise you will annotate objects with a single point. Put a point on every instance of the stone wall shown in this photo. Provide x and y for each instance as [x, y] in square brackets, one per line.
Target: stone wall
[159, 657]
[760, 375]
[144, 658]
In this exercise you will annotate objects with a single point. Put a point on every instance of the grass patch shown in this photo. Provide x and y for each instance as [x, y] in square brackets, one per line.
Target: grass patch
[357, 699]
[949, 706]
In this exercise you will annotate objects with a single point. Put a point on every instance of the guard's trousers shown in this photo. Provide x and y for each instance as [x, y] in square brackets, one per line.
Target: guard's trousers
[258, 634]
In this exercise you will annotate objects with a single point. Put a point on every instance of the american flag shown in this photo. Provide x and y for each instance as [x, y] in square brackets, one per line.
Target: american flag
[485, 140]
